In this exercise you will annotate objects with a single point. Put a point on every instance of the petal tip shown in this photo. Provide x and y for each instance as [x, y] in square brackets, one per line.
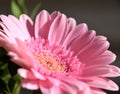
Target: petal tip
[84, 24]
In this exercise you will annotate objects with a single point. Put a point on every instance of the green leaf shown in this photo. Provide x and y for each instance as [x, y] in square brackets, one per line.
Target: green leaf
[22, 6]
[4, 73]
[35, 10]
[17, 86]
[15, 9]
[14, 84]
[11, 84]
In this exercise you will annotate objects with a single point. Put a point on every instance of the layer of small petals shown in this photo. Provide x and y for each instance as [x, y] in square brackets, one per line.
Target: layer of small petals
[14, 26]
[30, 84]
[42, 24]
[2, 35]
[19, 26]
[6, 34]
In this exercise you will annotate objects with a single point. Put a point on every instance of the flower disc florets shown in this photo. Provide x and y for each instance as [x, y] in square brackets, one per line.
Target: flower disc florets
[54, 59]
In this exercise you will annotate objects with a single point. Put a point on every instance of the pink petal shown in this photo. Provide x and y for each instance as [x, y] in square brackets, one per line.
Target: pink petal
[57, 90]
[20, 26]
[114, 71]
[38, 75]
[82, 88]
[28, 24]
[21, 55]
[82, 41]
[106, 58]
[54, 89]
[45, 90]
[54, 15]
[54, 81]
[23, 46]
[104, 84]
[20, 61]
[45, 86]
[5, 33]
[97, 91]
[101, 70]
[13, 27]
[23, 49]
[27, 74]
[57, 29]
[63, 89]
[30, 84]
[95, 48]
[68, 86]
[5, 43]
[71, 23]
[77, 32]
[42, 24]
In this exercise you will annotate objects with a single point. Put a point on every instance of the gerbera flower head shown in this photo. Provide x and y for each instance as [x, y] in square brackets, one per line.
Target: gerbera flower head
[58, 56]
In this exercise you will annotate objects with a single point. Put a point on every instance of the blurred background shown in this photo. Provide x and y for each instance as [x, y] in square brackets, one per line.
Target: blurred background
[100, 15]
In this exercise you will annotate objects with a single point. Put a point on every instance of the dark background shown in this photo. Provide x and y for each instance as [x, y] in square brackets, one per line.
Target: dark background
[100, 15]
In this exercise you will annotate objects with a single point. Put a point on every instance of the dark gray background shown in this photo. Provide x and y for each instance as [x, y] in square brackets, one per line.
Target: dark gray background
[100, 15]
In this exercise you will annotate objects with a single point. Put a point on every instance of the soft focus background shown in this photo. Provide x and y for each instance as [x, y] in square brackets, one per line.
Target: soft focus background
[100, 15]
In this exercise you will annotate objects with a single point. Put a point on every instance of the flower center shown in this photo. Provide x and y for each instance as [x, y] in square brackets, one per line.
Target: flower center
[54, 59]
[50, 62]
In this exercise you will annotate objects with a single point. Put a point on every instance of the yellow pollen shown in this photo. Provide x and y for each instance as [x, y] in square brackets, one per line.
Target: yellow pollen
[50, 63]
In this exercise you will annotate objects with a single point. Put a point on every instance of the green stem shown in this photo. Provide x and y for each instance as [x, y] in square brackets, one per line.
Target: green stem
[35, 10]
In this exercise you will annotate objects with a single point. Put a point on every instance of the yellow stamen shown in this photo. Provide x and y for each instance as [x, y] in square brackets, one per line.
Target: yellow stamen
[50, 63]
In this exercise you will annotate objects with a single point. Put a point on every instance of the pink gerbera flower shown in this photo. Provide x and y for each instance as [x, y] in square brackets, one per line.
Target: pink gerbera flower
[58, 56]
